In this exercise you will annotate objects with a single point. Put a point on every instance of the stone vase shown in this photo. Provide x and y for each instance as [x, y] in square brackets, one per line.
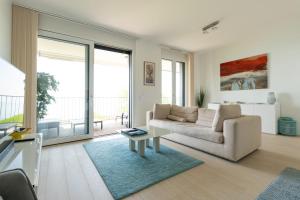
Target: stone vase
[271, 98]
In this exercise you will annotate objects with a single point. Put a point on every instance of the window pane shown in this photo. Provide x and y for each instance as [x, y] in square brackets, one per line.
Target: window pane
[61, 88]
[179, 83]
[166, 81]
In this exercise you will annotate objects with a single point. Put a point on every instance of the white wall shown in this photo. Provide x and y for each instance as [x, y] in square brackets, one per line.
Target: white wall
[282, 43]
[100, 36]
[5, 27]
[145, 96]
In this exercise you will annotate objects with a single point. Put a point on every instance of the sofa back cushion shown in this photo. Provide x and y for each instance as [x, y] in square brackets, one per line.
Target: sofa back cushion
[223, 113]
[205, 117]
[161, 111]
[189, 113]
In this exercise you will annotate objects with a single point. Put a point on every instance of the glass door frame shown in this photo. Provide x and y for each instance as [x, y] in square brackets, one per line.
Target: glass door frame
[183, 62]
[89, 84]
[129, 53]
[183, 82]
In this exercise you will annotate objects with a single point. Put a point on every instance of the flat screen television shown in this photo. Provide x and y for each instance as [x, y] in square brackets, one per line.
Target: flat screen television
[12, 89]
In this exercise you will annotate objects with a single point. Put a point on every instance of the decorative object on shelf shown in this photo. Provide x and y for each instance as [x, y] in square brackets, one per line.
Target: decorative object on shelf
[20, 134]
[287, 126]
[149, 73]
[245, 74]
[200, 98]
[271, 98]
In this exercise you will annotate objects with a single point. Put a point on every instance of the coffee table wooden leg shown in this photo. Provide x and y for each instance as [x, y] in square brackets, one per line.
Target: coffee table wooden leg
[141, 147]
[131, 145]
[156, 144]
[148, 143]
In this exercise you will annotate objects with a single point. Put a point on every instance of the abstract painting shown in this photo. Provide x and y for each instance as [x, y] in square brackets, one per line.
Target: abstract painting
[245, 74]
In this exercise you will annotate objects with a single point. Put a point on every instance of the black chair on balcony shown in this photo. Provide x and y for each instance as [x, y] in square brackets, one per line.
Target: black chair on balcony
[122, 117]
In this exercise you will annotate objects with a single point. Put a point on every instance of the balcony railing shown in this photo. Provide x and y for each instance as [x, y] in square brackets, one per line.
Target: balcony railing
[70, 108]
[11, 108]
[65, 109]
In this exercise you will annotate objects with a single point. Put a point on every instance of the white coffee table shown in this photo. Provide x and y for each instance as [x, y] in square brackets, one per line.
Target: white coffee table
[143, 140]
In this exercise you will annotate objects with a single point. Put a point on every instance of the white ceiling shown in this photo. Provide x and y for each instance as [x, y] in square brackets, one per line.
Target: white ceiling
[175, 23]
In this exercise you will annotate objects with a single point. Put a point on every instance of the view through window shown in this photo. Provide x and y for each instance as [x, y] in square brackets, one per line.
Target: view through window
[111, 90]
[61, 88]
[173, 82]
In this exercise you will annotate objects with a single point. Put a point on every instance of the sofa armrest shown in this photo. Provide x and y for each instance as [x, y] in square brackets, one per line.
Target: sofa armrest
[242, 135]
[149, 116]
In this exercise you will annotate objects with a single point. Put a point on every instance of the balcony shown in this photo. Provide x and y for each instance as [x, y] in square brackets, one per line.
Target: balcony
[66, 116]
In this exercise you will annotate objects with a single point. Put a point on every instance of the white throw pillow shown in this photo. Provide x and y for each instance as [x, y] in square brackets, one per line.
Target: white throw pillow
[161, 111]
[189, 113]
[176, 118]
[223, 113]
[205, 117]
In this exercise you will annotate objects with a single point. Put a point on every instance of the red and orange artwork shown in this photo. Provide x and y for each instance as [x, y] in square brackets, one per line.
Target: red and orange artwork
[245, 74]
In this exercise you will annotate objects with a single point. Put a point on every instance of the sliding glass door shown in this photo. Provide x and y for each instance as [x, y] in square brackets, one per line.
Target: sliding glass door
[62, 89]
[173, 82]
[111, 89]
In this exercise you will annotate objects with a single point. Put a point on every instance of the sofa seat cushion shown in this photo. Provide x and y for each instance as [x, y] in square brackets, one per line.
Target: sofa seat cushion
[205, 117]
[189, 129]
[161, 111]
[189, 113]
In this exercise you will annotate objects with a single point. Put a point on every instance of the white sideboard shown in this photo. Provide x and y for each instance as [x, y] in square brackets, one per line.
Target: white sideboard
[269, 114]
[25, 155]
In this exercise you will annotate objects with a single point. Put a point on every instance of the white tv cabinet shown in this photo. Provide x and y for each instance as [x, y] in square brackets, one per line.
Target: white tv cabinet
[25, 155]
[269, 114]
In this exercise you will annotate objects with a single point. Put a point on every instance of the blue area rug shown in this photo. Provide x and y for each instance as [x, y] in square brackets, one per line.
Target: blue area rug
[285, 187]
[125, 172]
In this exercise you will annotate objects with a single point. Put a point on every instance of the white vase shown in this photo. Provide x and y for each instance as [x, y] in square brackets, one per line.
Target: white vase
[271, 98]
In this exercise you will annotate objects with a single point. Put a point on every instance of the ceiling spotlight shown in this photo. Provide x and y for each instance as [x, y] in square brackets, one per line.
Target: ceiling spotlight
[210, 27]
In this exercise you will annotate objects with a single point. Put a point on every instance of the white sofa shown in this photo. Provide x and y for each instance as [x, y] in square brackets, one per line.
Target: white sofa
[224, 133]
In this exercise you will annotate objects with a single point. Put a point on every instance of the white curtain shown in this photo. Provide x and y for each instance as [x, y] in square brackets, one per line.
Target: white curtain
[24, 56]
[190, 76]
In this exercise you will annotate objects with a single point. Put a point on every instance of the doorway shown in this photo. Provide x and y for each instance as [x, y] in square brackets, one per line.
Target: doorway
[112, 90]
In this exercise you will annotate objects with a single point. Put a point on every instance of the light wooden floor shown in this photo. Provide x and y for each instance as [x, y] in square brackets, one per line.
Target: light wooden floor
[68, 174]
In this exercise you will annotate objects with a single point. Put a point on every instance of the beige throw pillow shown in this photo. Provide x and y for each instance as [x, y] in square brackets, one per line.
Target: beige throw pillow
[205, 117]
[161, 111]
[176, 118]
[189, 113]
[223, 113]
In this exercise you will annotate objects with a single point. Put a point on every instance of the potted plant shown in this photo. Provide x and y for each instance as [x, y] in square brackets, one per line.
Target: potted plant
[45, 84]
[200, 98]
